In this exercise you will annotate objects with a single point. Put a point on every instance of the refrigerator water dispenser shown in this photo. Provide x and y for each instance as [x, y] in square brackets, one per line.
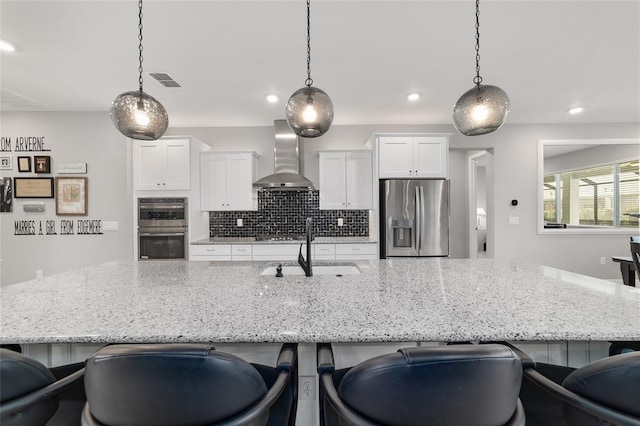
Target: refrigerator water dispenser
[402, 232]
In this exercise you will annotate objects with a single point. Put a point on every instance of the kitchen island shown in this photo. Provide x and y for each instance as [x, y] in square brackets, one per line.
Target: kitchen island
[393, 300]
[564, 318]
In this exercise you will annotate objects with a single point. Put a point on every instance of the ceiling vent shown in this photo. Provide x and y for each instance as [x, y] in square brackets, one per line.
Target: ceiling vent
[165, 79]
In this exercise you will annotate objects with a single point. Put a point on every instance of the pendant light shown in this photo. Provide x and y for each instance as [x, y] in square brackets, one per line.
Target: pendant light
[136, 114]
[482, 109]
[309, 110]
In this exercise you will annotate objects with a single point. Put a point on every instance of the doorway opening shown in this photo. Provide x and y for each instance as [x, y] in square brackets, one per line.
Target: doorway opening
[480, 202]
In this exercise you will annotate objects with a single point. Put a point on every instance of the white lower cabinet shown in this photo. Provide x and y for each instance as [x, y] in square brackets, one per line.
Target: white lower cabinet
[361, 251]
[324, 251]
[210, 252]
[277, 251]
[241, 252]
[356, 251]
[281, 252]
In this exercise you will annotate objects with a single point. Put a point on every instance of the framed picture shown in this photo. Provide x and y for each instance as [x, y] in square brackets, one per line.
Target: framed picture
[5, 162]
[24, 164]
[32, 187]
[6, 195]
[42, 163]
[71, 196]
[72, 168]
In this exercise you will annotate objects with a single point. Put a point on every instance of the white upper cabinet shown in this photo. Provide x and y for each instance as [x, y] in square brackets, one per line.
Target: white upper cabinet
[413, 157]
[346, 179]
[226, 181]
[161, 165]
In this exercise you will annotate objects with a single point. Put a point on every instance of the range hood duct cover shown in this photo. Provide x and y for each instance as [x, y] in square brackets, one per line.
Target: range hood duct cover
[286, 160]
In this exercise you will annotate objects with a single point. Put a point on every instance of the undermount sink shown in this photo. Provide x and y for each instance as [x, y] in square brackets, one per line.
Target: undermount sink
[338, 270]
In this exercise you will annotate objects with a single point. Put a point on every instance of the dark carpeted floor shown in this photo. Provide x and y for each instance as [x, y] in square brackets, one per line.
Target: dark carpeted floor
[72, 399]
[540, 408]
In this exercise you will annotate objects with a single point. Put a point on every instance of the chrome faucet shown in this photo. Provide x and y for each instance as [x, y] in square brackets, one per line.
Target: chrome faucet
[306, 265]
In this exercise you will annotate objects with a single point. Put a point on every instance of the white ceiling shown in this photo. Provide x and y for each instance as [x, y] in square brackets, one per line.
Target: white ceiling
[367, 55]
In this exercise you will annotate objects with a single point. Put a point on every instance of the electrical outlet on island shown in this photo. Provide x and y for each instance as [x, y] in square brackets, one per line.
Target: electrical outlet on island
[239, 222]
[340, 221]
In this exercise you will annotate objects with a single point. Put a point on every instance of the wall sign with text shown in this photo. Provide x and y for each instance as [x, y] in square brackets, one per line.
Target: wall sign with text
[58, 227]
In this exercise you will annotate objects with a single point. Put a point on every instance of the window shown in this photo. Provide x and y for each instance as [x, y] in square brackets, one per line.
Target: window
[606, 195]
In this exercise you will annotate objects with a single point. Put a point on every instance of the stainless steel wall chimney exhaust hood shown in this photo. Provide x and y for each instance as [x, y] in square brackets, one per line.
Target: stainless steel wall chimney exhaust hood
[286, 160]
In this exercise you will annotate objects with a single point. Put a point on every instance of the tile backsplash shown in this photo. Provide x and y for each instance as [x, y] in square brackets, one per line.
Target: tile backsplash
[284, 213]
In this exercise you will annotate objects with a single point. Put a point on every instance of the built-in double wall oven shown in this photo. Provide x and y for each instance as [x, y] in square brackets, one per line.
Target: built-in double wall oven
[163, 228]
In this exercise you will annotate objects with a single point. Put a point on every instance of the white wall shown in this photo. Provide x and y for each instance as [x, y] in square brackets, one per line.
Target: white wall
[591, 157]
[458, 205]
[73, 138]
[91, 138]
[515, 177]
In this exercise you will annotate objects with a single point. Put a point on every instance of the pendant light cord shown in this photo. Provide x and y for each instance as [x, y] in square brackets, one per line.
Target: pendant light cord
[477, 79]
[140, 44]
[309, 81]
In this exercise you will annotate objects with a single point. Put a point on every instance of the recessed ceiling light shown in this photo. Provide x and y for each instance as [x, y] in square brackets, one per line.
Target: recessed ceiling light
[6, 46]
[575, 110]
[413, 96]
[272, 99]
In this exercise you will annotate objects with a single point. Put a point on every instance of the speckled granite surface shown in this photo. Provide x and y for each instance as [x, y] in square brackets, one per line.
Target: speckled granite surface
[392, 300]
[252, 240]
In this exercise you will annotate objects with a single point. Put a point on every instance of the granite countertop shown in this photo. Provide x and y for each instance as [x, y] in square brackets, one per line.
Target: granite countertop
[252, 240]
[403, 300]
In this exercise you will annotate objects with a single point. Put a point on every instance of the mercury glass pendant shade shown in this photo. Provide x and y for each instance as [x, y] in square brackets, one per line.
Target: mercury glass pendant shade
[309, 112]
[138, 115]
[481, 110]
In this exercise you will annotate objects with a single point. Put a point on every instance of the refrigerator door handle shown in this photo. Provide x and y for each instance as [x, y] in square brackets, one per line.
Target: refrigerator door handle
[418, 219]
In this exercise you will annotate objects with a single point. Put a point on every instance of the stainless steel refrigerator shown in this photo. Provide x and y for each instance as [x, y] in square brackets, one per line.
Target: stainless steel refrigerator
[414, 217]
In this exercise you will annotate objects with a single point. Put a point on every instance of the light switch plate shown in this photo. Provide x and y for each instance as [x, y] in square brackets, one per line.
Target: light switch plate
[109, 225]
[239, 222]
[514, 220]
[340, 221]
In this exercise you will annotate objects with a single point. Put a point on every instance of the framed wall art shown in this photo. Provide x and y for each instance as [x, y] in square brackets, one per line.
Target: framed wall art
[6, 195]
[42, 163]
[72, 168]
[71, 196]
[32, 187]
[24, 164]
[5, 162]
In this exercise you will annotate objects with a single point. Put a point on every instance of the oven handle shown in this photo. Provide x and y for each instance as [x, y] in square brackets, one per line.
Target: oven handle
[162, 206]
[160, 234]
